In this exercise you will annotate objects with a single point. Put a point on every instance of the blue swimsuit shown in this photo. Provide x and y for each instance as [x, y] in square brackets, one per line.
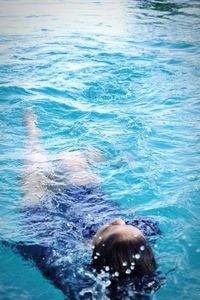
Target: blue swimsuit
[57, 227]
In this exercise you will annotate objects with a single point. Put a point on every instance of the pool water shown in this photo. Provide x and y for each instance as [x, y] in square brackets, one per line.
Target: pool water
[120, 76]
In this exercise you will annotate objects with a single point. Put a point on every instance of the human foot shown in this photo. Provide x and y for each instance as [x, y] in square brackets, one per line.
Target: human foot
[30, 121]
[29, 117]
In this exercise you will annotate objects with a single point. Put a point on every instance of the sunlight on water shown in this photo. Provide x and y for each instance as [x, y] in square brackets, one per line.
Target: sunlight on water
[63, 17]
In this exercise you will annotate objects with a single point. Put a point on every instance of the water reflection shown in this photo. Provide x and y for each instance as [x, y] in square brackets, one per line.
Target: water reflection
[162, 5]
[186, 8]
[62, 17]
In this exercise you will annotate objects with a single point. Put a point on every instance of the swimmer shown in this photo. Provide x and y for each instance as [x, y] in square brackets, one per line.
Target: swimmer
[123, 249]
[63, 205]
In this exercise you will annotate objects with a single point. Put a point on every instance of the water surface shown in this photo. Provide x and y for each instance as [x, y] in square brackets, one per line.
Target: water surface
[121, 76]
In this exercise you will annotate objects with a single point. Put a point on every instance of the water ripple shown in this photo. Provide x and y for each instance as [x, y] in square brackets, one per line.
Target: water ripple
[121, 76]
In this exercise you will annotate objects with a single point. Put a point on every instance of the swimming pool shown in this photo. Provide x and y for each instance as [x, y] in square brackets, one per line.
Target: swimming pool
[122, 76]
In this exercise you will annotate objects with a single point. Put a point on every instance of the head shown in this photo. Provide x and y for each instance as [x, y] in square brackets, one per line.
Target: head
[122, 250]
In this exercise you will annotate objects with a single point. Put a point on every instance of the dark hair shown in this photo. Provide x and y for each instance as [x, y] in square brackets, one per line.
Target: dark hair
[122, 257]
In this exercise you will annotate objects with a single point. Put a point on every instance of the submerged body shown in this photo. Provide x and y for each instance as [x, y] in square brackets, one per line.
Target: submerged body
[63, 208]
[58, 228]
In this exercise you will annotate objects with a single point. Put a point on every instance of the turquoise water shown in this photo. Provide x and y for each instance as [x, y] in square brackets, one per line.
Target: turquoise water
[121, 76]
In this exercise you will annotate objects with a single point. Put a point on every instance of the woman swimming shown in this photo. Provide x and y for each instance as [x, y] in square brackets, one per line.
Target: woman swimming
[63, 207]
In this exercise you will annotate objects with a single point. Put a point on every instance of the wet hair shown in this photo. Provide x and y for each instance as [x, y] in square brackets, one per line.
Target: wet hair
[122, 257]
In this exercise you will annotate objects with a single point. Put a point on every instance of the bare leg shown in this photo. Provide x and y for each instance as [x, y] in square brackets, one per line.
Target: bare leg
[74, 168]
[94, 156]
[34, 180]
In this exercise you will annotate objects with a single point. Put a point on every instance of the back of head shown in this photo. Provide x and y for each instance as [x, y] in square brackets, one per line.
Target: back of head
[124, 257]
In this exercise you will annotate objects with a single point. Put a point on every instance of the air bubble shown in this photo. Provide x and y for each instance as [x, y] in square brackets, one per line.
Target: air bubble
[124, 264]
[107, 268]
[151, 283]
[137, 256]
[142, 248]
[128, 271]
